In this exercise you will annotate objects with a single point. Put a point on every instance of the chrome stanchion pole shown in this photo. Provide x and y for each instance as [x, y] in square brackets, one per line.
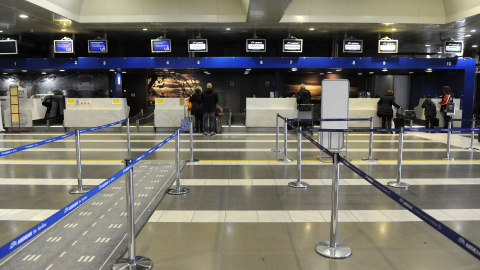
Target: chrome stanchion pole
[399, 183]
[299, 183]
[129, 146]
[277, 135]
[370, 147]
[471, 148]
[285, 146]
[192, 160]
[449, 138]
[132, 262]
[178, 190]
[332, 249]
[79, 189]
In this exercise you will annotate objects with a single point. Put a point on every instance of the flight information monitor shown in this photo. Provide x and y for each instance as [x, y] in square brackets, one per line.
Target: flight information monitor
[161, 45]
[387, 46]
[197, 45]
[293, 45]
[63, 46]
[352, 46]
[97, 46]
[455, 47]
[256, 45]
[8, 46]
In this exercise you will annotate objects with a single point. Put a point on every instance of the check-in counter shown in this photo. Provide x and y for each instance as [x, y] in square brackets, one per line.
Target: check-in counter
[419, 112]
[262, 112]
[363, 108]
[27, 107]
[92, 112]
[169, 112]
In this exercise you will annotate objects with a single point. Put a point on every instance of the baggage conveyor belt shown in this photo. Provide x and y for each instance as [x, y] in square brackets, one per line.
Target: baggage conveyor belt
[95, 235]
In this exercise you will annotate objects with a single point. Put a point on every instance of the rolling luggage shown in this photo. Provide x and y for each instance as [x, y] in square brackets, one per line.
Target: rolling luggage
[436, 122]
[399, 120]
[218, 125]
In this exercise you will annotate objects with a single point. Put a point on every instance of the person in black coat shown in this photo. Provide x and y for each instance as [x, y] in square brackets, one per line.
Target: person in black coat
[209, 106]
[430, 112]
[197, 111]
[384, 108]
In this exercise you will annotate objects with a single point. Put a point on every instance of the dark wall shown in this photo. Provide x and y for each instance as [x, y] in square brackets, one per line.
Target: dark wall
[136, 92]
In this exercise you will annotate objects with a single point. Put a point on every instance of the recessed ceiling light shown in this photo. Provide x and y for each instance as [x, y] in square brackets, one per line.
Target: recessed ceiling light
[473, 30]
[62, 70]
[384, 70]
[294, 69]
[63, 30]
[394, 29]
[5, 73]
[1, 31]
[24, 70]
[329, 72]
[360, 74]
[429, 69]
[111, 69]
[474, 46]
[124, 72]
[43, 73]
[411, 72]
[371, 72]
[23, 16]
[321, 73]
[468, 35]
[228, 29]
[311, 28]
[427, 45]
[144, 29]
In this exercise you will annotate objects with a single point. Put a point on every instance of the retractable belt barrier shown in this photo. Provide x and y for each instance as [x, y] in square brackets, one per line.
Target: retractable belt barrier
[42, 226]
[437, 225]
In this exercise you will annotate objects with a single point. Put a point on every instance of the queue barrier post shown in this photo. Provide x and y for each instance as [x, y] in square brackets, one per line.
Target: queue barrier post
[399, 183]
[277, 135]
[472, 137]
[332, 249]
[370, 146]
[129, 146]
[299, 183]
[132, 261]
[449, 141]
[178, 190]
[285, 146]
[191, 160]
[79, 189]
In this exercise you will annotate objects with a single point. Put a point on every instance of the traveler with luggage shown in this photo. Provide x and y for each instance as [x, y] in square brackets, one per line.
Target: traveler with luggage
[384, 108]
[209, 104]
[447, 97]
[197, 111]
[430, 112]
[304, 99]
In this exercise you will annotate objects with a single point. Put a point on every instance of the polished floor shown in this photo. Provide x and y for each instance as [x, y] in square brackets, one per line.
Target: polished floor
[240, 212]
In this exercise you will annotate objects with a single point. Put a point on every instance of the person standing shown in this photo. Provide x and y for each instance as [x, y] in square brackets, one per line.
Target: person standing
[445, 98]
[304, 99]
[209, 105]
[430, 112]
[384, 108]
[197, 111]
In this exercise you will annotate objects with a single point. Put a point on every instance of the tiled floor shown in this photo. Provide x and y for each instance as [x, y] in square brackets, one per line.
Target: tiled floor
[240, 213]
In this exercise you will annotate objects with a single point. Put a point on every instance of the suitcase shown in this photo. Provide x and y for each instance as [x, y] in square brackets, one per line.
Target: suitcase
[436, 122]
[218, 125]
[399, 120]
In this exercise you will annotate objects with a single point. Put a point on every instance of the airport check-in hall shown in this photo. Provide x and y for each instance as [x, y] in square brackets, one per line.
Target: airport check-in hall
[235, 134]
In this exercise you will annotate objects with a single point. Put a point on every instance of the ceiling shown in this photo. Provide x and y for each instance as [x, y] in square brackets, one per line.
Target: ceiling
[417, 22]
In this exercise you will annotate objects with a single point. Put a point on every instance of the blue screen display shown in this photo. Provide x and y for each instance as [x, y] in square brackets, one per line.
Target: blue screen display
[63, 46]
[161, 46]
[97, 46]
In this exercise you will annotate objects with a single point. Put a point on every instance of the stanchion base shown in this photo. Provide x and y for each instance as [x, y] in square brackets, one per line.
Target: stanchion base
[297, 184]
[79, 190]
[447, 158]
[370, 159]
[178, 191]
[342, 250]
[398, 185]
[141, 263]
[472, 149]
[277, 150]
[285, 160]
[192, 160]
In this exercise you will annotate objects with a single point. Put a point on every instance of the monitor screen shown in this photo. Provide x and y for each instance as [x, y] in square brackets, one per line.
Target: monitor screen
[97, 46]
[197, 45]
[387, 46]
[256, 45]
[455, 47]
[63, 46]
[161, 45]
[8, 47]
[352, 46]
[292, 45]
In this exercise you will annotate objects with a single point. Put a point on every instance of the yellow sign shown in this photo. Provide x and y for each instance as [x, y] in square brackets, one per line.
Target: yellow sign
[159, 101]
[13, 90]
[182, 102]
[116, 101]
[15, 118]
[70, 101]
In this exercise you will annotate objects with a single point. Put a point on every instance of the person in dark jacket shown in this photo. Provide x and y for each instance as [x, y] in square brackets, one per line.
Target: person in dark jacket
[446, 98]
[304, 97]
[384, 108]
[197, 111]
[430, 111]
[209, 105]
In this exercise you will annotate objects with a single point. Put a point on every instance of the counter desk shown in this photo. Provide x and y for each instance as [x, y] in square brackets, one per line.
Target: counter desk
[169, 113]
[93, 112]
[262, 112]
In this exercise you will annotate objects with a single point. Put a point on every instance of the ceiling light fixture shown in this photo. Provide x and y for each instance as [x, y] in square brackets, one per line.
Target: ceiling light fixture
[371, 72]
[44, 73]
[411, 72]
[1, 31]
[384, 70]
[428, 70]
[474, 46]
[228, 29]
[144, 29]
[62, 70]
[23, 16]
[473, 30]
[311, 28]
[63, 30]
[394, 29]
[468, 35]
[427, 45]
